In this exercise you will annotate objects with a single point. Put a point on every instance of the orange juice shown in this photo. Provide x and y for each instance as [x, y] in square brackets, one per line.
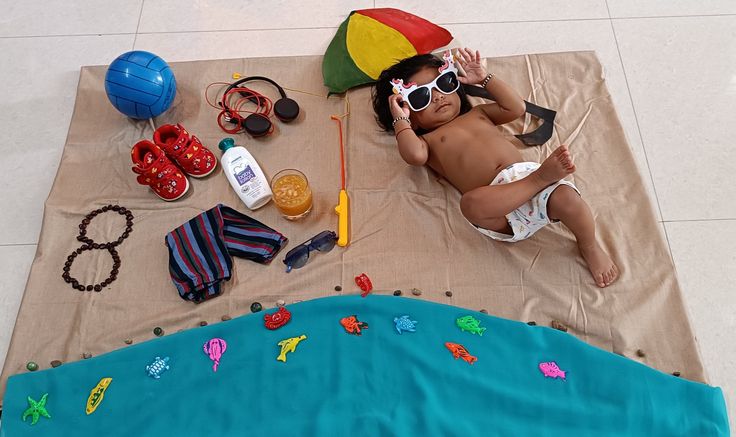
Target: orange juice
[291, 194]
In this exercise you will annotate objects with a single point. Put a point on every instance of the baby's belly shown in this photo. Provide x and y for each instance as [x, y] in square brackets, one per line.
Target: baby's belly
[476, 168]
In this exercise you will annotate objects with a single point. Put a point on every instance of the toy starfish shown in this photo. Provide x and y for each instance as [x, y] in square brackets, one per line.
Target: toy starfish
[36, 409]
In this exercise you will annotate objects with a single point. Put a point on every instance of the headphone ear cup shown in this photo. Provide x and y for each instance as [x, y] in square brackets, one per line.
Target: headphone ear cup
[286, 109]
[256, 125]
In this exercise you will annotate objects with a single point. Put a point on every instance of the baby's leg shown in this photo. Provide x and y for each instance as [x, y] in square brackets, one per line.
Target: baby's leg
[566, 205]
[495, 201]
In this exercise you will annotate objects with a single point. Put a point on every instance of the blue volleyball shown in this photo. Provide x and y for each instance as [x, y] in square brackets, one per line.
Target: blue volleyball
[140, 84]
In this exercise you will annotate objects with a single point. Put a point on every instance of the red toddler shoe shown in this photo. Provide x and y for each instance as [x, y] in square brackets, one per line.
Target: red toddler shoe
[157, 171]
[185, 150]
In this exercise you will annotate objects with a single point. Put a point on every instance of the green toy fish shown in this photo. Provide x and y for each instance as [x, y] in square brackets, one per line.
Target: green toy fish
[470, 324]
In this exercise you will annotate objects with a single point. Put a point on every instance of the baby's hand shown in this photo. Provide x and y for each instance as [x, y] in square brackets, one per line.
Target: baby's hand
[474, 71]
[399, 108]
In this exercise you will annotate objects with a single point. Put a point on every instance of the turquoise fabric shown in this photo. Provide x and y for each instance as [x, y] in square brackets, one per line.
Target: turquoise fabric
[377, 384]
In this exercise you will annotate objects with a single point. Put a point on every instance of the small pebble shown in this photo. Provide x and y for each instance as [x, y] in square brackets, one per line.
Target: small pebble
[32, 366]
[338, 288]
[255, 307]
[55, 363]
[86, 355]
[280, 303]
[448, 293]
[484, 311]
[128, 341]
[397, 292]
[559, 326]
[640, 353]
[225, 318]
[416, 291]
[677, 374]
[531, 323]
[158, 332]
[202, 323]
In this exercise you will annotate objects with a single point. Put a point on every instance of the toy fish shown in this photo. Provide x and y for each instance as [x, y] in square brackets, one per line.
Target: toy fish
[352, 325]
[214, 349]
[277, 319]
[289, 345]
[97, 394]
[404, 323]
[551, 370]
[157, 367]
[470, 324]
[459, 351]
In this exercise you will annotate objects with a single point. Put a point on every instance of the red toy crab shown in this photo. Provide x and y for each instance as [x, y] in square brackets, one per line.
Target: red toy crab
[364, 283]
[277, 319]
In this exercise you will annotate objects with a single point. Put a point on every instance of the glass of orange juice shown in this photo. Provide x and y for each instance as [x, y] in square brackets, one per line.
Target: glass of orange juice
[291, 194]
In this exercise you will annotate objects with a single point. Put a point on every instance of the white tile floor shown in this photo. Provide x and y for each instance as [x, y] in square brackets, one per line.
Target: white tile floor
[670, 67]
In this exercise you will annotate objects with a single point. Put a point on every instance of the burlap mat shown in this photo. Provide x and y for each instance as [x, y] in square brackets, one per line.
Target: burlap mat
[407, 229]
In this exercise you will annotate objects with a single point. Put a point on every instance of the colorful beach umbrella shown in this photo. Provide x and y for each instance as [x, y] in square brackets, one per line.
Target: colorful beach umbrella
[371, 40]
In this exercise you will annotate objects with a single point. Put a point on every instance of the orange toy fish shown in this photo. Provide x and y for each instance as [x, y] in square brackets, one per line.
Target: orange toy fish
[352, 325]
[459, 351]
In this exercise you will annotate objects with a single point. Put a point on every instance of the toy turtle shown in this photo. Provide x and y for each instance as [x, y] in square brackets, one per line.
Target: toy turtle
[157, 367]
[403, 323]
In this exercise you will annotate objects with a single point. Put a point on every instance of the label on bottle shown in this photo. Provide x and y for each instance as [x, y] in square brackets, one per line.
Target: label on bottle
[248, 182]
[244, 175]
[241, 170]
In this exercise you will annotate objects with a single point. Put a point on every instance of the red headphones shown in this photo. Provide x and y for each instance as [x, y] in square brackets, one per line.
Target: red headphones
[257, 123]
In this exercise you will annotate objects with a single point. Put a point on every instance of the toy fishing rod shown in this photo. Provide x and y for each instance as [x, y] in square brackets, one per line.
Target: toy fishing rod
[342, 208]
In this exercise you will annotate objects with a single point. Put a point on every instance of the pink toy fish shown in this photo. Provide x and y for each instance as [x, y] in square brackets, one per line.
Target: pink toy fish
[214, 349]
[551, 370]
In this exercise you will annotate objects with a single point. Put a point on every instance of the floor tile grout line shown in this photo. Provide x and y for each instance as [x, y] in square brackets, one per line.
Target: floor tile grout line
[459, 23]
[276, 29]
[138, 26]
[638, 129]
[269, 29]
[17, 244]
[66, 35]
[672, 16]
[699, 220]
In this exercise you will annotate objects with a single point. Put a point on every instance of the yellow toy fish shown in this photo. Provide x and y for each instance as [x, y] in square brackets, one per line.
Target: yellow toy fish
[97, 394]
[289, 345]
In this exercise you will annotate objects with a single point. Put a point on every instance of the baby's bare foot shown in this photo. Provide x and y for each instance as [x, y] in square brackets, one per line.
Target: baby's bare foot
[601, 265]
[557, 165]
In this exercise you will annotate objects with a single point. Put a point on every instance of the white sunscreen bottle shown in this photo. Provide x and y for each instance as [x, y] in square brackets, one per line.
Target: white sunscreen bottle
[244, 174]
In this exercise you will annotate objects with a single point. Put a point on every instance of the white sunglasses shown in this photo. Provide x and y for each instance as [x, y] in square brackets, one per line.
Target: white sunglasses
[419, 97]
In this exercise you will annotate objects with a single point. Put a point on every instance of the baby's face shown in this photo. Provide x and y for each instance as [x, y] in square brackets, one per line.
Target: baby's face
[442, 108]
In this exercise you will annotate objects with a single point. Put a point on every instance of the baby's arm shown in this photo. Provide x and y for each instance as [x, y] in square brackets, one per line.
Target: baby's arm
[509, 105]
[413, 149]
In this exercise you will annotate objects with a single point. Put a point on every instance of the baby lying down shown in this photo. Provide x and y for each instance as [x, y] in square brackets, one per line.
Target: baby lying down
[504, 197]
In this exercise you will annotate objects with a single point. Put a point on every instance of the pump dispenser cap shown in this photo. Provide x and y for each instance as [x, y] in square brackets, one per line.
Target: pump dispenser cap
[226, 143]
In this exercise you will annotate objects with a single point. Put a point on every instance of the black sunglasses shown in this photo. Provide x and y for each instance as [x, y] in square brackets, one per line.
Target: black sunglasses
[297, 257]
